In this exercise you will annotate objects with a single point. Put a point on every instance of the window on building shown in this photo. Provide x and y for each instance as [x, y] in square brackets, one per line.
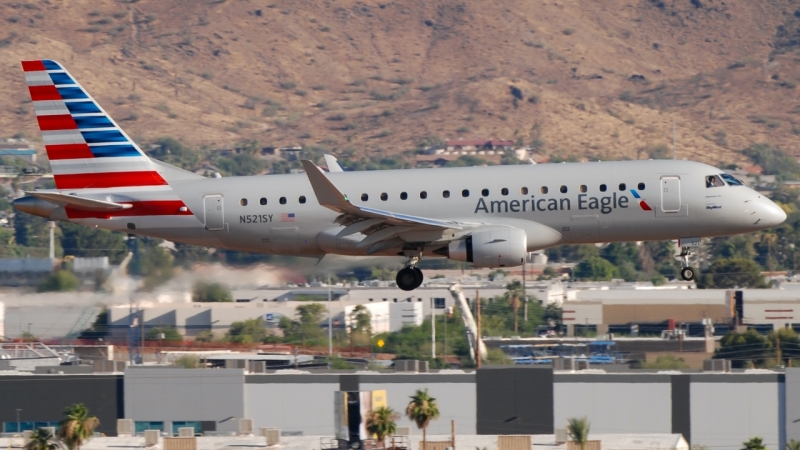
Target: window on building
[141, 427]
[263, 201]
[465, 193]
[243, 202]
[282, 200]
[364, 197]
[196, 425]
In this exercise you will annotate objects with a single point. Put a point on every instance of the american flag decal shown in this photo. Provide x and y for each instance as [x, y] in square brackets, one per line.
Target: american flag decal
[287, 217]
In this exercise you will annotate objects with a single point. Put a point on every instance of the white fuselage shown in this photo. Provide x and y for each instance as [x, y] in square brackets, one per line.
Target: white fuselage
[529, 197]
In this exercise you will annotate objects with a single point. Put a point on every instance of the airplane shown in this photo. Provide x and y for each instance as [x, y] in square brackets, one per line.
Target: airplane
[489, 216]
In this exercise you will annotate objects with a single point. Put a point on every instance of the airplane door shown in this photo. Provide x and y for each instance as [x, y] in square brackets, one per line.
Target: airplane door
[670, 194]
[214, 212]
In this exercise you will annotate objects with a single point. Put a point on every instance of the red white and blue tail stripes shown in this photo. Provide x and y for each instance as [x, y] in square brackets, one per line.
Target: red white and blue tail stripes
[86, 148]
[89, 153]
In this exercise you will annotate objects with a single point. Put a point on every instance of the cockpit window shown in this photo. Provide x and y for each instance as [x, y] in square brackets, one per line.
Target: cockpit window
[714, 181]
[731, 180]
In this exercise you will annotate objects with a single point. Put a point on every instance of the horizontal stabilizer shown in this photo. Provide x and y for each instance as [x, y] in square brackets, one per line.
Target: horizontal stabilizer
[81, 203]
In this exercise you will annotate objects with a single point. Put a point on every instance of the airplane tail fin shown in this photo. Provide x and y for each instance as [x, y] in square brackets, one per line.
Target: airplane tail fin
[85, 146]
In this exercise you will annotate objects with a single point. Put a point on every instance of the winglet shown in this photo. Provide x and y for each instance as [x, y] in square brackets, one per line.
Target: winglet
[333, 164]
[328, 195]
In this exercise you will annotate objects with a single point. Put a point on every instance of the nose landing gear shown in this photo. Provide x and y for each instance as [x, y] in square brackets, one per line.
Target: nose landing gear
[687, 273]
[410, 277]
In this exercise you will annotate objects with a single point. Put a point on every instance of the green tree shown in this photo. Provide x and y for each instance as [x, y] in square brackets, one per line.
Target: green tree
[249, 331]
[514, 294]
[382, 422]
[744, 348]
[578, 430]
[793, 445]
[77, 427]
[169, 332]
[83, 241]
[204, 291]
[59, 281]
[187, 362]
[755, 443]
[42, 439]
[154, 263]
[99, 328]
[421, 410]
[666, 362]
[33, 232]
[729, 273]
[595, 268]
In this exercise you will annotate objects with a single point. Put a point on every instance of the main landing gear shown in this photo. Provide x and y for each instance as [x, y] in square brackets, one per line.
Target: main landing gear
[687, 273]
[410, 277]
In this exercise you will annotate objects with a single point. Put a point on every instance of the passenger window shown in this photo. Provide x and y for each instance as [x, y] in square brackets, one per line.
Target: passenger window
[563, 189]
[485, 192]
[283, 200]
[364, 197]
[446, 194]
[423, 195]
[622, 186]
[640, 186]
[603, 188]
[523, 191]
[504, 191]
[714, 181]
[731, 180]
[302, 199]
[583, 188]
[544, 189]
[263, 200]
[384, 196]
[465, 193]
[243, 202]
[403, 196]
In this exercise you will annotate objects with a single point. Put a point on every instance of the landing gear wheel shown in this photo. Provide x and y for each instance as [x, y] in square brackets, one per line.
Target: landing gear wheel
[687, 273]
[409, 278]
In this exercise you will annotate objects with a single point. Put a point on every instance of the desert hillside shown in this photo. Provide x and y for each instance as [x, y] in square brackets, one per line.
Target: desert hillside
[582, 78]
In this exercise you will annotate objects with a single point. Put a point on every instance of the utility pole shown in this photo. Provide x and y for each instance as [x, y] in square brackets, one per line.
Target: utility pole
[453, 434]
[445, 335]
[330, 329]
[778, 347]
[295, 357]
[674, 147]
[433, 330]
[524, 294]
[478, 333]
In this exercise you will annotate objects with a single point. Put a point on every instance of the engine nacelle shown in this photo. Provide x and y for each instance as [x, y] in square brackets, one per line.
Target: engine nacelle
[497, 247]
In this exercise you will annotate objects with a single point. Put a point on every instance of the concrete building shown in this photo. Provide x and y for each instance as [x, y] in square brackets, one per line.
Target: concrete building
[716, 410]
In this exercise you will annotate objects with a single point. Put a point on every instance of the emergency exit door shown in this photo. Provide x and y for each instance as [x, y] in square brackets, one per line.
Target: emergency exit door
[214, 212]
[670, 194]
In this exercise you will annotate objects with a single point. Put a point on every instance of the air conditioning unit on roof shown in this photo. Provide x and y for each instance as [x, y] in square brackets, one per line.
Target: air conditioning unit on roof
[245, 426]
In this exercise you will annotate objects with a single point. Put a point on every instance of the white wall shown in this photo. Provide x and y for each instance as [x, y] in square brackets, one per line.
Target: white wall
[306, 407]
[726, 414]
[614, 408]
[457, 401]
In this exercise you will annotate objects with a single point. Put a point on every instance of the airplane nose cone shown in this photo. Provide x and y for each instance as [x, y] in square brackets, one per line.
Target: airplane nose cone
[772, 214]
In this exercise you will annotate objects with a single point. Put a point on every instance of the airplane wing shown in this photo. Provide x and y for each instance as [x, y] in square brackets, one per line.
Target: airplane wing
[382, 228]
[82, 203]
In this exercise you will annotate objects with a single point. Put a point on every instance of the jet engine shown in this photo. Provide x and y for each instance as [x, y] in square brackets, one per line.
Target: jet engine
[496, 247]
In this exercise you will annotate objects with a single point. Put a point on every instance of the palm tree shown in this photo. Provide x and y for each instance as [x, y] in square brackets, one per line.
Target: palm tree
[381, 423]
[514, 293]
[755, 443]
[421, 410]
[77, 427]
[42, 439]
[793, 445]
[578, 430]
